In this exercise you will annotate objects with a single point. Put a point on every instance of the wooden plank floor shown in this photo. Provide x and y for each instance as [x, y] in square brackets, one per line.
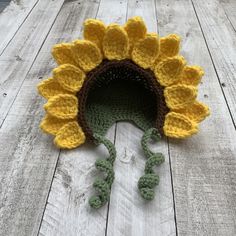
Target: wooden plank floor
[44, 191]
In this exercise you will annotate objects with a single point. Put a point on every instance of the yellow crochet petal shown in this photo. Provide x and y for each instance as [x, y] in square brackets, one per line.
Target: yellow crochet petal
[146, 50]
[180, 96]
[169, 45]
[169, 70]
[51, 125]
[115, 43]
[63, 106]
[94, 31]
[179, 126]
[135, 28]
[196, 112]
[50, 87]
[70, 77]
[70, 136]
[86, 54]
[192, 75]
[62, 53]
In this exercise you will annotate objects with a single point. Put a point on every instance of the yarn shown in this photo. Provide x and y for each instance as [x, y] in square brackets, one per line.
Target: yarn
[169, 70]
[70, 136]
[180, 96]
[169, 45]
[50, 88]
[103, 186]
[94, 31]
[62, 53]
[69, 77]
[191, 75]
[63, 106]
[127, 47]
[136, 29]
[115, 43]
[51, 125]
[177, 125]
[86, 55]
[146, 51]
[120, 90]
[149, 180]
[121, 73]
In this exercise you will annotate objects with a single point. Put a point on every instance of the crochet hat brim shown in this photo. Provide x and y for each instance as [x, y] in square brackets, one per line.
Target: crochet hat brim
[120, 90]
[143, 59]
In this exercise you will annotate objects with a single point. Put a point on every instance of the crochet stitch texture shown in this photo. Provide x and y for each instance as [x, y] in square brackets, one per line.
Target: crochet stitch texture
[121, 73]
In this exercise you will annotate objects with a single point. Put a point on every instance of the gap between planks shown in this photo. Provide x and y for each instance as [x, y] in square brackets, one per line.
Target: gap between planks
[12, 18]
[192, 225]
[76, 228]
[204, 165]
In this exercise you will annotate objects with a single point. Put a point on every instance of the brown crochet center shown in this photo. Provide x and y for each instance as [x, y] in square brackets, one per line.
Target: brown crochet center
[127, 73]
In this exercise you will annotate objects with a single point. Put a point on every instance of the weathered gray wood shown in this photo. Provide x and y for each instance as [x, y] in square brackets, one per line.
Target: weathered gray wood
[67, 211]
[76, 171]
[145, 9]
[112, 11]
[220, 34]
[28, 157]
[203, 166]
[3, 5]
[74, 216]
[229, 7]
[26, 169]
[20, 54]
[129, 214]
[11, 19]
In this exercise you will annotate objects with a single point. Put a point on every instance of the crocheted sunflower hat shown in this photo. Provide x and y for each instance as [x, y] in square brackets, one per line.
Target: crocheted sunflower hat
[121, 73]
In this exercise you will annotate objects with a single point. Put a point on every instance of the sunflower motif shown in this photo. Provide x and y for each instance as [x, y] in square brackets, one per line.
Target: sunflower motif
[125, 51]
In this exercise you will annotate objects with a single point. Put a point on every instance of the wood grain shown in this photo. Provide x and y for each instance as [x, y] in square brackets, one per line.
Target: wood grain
[67, 211]
[129, 214]
[4, 4]
[11, 19]
[220, 34]
[112, 11]
[203, 166]
[28, 157]
[229, 7]
[79, 165]
[20, 54]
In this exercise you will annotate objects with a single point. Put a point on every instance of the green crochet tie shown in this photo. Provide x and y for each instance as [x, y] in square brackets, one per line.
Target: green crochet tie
[148, 181]
[103, 186]
[123, 93]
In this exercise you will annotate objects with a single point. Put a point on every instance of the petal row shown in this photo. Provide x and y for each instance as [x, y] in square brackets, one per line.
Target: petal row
[115, 42]
[61, 121]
